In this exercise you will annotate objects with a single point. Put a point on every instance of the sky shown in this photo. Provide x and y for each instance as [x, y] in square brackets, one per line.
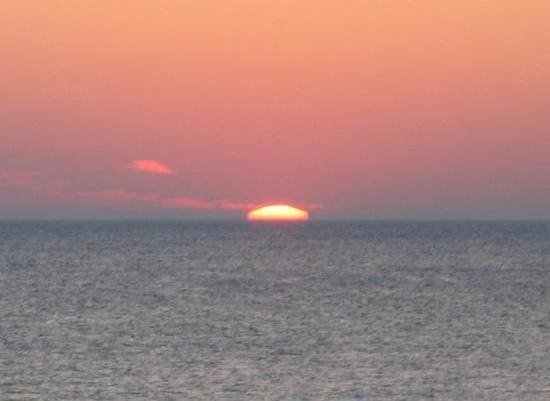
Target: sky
[349, 109]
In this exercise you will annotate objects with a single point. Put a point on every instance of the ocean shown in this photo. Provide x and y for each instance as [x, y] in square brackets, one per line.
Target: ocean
[157, 310]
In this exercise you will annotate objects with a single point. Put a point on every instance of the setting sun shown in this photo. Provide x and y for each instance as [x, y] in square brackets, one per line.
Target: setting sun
[277, 213]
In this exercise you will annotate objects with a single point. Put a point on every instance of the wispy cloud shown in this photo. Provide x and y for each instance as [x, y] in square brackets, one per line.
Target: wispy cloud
[26, 179]
[196, 203]
[37, 185]
[34, 181]
[118, 196]
[150, 166]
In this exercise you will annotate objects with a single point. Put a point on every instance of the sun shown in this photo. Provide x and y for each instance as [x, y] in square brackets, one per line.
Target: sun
[277, 213]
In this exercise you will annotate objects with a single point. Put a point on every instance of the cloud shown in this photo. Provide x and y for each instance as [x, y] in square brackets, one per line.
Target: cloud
[150, 166]
[36, 185]
[187, 203]
[33, 181]
[196, 203]
[121, 197]
[26, 179]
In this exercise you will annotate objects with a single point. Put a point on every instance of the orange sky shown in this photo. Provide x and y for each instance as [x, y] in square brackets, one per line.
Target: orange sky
[353, 108]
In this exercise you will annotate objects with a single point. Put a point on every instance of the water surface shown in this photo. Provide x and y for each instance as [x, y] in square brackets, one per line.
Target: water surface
[240, 311]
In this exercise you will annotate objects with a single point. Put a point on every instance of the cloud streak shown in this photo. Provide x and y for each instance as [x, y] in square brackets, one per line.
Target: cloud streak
[26, 179]
[37, 185]
[121, 197]
[151, 167]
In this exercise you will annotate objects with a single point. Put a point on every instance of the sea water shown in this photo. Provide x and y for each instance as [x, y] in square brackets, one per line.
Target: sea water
[149, 310]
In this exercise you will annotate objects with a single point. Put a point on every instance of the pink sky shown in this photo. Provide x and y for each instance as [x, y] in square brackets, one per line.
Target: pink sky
[425, 109]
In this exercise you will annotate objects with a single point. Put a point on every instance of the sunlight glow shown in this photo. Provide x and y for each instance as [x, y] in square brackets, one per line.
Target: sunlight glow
[278, 213]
